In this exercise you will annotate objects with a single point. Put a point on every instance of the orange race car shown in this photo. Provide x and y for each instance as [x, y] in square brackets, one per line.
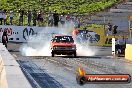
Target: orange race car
[63, 45]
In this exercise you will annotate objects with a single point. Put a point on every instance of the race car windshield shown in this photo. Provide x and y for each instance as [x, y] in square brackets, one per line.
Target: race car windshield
[63, 39]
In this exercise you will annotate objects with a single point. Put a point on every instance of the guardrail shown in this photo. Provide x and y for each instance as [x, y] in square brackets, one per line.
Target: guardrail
[11, 75]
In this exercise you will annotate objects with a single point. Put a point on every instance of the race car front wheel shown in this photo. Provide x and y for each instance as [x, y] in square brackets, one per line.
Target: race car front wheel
[53, 54]
[75, 54]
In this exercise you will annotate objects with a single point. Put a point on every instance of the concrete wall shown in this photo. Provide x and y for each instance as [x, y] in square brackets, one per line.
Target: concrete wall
[3, 81]
[128, 52]
[11, 75]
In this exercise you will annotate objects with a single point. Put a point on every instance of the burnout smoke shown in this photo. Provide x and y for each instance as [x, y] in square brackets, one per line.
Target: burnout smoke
[85, 50]
[39, 45]
[83, 47]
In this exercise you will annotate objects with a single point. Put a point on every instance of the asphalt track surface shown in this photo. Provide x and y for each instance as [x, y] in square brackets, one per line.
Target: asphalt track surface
[60, 71]
[36, 74]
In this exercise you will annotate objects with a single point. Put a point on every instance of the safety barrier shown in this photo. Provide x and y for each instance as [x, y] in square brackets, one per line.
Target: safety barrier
[22, 33]
[128, 52]
[11, 75]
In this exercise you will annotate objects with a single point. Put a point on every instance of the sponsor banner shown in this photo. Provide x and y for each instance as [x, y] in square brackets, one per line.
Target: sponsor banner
[90, 36]
[95, 36]
[18, 33]
[21, 33]
[108, 40]
[98, 32]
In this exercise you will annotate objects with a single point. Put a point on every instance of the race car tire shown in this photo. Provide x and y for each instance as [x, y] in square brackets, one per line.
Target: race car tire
[75, 54]
[53, 54]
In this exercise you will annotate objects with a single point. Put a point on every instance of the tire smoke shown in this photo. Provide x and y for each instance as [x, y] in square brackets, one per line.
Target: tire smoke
[39, 45]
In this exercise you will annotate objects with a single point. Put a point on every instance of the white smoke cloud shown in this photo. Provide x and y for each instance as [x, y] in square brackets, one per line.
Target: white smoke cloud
[86, 50]
[39, 45]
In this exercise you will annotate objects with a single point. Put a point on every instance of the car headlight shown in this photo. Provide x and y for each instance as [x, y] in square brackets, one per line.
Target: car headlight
[55, 47]
[73, 47]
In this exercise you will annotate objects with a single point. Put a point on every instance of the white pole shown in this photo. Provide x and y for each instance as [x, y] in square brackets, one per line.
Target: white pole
[113, 47]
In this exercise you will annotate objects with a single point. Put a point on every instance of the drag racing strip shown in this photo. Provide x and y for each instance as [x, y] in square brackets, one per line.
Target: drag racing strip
[63, 69]
[90, 66]
[32, 81]
[57, 71]
[121, 65]
[95, 67]
[37, 77]
[69, 64]
[72, 64]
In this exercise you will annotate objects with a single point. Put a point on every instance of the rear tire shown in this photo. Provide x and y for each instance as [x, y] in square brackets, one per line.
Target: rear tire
[75, 54]
[53, 54]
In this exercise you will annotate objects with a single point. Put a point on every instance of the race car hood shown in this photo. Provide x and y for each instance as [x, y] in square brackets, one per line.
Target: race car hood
[62, 44]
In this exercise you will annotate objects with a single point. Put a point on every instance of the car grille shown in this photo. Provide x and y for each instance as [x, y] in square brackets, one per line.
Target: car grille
[63, 47]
